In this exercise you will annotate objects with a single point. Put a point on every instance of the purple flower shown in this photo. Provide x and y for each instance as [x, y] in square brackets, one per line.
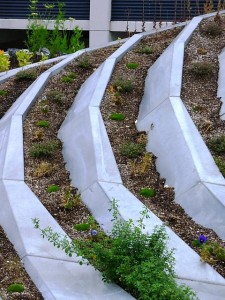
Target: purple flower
[94, 232]
[202, 239]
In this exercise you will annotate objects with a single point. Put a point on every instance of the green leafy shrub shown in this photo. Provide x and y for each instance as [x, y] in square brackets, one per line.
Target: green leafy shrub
[53, 188]
[43, 123]
[3, 93]
[24, 57]
[4, 61]
[132, 65]
[123, 85]
[201, 69]
[131, 150]
[147, 192]
[55, 96]
[217, 145]
[26, 75]
[82, 227]
[140, 263]
[71, 198]
[45, 149]
[15, 288]
[117, 116]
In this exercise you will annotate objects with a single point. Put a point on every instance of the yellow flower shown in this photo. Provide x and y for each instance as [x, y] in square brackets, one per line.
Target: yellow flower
[2, 52]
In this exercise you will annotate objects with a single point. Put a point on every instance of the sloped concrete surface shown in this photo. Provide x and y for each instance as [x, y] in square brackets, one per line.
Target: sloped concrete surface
[183, 159]
[221, 85]
[98, 193]
[56, 275]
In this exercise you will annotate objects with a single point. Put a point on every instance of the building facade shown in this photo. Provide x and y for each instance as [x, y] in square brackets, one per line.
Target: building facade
[105, 20]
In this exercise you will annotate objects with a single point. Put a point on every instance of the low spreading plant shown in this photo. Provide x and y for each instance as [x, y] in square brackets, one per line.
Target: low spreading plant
[131, 149]
[44, 169]
[123, 85]
[55, 96]
[217, 145]
[53, 188]
[43, 123]
[3, 93]
[15, 288]
[44, 149]
[146, 50]
[147, 192]
[140, 263]
[117, 116]
[132, 65]
[84, 62]
[210, 252]
[200, 69]
[26, 75]
[71, 198]
[69, 78]
[212, 29]
[140, 167]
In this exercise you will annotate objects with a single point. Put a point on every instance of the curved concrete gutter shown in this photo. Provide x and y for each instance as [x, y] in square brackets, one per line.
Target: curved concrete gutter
[183, 159]
[55, 274]
[93, 169]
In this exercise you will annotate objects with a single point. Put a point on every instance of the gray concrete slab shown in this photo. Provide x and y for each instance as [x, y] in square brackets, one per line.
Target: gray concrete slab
[71, 281]
[221, 86]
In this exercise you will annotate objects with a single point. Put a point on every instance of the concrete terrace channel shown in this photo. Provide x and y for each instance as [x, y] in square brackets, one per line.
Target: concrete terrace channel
[56, 275]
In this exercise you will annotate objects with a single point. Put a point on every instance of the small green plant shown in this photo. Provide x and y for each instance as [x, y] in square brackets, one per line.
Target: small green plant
[26, 75]
[123, 85]
[200, 69]
[55, 96]
[140, 263]
[15, 288]
[53, 188]
[44, 169]
[24, 57]
[69, 78]
[210, 252]
[132, 65]
[131, 150]
[4, 61]
[117, 116]
[44, 149]
[43, 123]
[146, 50]
[141, 166]
[147, 192]
[3, 93]
[71, 198]
[217, 145]
[84, 62]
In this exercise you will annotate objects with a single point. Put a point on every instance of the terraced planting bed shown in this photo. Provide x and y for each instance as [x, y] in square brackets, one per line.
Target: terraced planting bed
[40, 174]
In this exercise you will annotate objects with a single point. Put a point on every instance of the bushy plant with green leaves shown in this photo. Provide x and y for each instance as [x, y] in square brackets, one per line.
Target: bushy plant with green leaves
[84, 62]
[44, 149]
[53, 188]
[58, 41]
[4, 61]
[55, 96]
[3, 92]
[146, 50]
[24, 57]
[131, 149]
[140, 263]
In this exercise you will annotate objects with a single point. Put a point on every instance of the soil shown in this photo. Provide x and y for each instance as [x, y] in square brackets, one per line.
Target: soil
[162, 204]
